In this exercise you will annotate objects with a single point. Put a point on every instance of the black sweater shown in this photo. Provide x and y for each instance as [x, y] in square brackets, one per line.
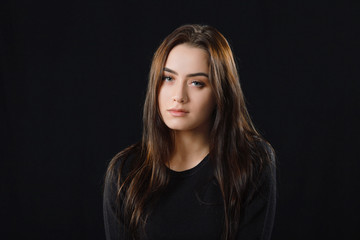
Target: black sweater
[191, 208]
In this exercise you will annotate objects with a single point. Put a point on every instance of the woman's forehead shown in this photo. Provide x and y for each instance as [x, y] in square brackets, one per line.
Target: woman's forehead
[187, 59]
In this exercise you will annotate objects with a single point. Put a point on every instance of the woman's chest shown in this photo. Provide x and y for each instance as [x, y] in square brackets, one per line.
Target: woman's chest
[188, 209]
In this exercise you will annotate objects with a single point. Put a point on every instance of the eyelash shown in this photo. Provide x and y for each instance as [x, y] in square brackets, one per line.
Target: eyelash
[167, 78]
[196, 83]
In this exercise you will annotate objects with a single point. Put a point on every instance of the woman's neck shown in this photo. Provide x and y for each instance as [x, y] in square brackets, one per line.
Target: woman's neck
[190, 148]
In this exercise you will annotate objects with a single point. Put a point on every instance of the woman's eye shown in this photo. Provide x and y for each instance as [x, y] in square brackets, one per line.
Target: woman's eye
[197, 84]
[167, 78]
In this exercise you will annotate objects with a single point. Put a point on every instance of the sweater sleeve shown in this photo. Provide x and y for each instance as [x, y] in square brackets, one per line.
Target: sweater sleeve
[258, 216]
[114, 226]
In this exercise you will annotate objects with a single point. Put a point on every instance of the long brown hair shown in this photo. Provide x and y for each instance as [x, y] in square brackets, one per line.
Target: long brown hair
[235, 151]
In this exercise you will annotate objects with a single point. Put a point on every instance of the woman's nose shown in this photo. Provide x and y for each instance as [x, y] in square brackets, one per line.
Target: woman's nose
[180, 93]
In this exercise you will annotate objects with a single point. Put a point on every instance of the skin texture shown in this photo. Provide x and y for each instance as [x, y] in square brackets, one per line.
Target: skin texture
[186, 87]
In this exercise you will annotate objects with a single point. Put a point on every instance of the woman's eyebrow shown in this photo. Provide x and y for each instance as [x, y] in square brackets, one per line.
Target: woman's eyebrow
[189, 75]
[197, 74]
[170, 71]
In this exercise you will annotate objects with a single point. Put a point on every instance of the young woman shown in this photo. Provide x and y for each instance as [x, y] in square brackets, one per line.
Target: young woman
[201, 170]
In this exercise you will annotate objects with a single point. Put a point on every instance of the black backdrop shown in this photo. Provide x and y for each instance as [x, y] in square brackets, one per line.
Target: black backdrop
[74, 75]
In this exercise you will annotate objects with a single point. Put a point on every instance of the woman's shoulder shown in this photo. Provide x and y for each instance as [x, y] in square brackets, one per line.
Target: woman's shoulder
[267, 174]
[123, 162]
[265, 149]
[266, 165]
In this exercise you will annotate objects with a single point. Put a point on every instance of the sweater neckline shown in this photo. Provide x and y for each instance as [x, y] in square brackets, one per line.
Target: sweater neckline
[190, 171]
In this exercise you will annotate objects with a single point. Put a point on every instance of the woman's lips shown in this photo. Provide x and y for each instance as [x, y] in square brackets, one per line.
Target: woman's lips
[177, 112]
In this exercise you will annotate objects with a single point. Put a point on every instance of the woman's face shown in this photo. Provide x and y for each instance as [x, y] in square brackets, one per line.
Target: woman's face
[186, 100]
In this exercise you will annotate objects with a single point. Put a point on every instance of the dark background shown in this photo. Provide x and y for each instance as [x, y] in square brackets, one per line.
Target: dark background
[73, 80]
